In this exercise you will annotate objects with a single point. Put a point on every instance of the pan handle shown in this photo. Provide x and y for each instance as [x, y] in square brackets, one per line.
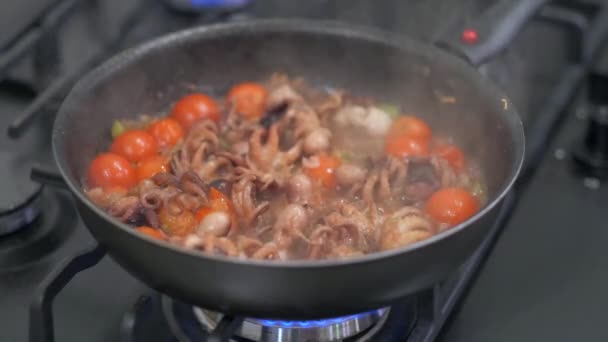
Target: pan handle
[489, 34]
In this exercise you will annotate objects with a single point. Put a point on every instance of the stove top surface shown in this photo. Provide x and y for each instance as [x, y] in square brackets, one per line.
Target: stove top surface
[546, 278]
[17, 15]
[543, 280]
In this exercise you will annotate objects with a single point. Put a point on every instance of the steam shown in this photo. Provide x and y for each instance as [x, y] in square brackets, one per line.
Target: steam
[454, 99]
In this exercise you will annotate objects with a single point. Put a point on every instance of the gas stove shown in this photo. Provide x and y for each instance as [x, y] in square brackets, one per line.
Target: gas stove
[44, 246]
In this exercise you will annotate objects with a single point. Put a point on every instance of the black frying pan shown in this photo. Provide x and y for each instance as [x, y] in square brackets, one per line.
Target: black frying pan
[148, 78]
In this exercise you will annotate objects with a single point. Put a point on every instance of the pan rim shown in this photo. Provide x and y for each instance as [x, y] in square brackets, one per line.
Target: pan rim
[322, 27]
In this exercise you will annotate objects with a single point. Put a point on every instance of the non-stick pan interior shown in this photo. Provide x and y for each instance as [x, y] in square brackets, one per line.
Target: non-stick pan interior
[456, 100]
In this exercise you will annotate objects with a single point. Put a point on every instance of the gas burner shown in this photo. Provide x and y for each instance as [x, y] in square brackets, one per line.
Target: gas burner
[42, 235]
[158, 317]
[20, 200]
[324, 330]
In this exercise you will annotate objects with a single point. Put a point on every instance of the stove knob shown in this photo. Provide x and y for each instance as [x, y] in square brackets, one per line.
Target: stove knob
[592, 152]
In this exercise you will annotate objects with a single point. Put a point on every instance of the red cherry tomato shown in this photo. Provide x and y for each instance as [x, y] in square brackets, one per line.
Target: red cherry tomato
[134, 145]
[405, 146]
[452, 154]
[218, 202]
[152, 232]
[325, 170]
[202, 213]
[191, 108]
[451, 205]
[409, 126]
[249, 99]
[150, 166]
[167, 132]
[110, 171]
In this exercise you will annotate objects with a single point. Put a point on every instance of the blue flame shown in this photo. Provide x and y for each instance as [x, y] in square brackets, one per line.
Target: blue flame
[312, 324]
[218, 3]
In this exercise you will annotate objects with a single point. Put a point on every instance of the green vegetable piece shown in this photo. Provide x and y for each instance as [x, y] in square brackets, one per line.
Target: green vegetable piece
[344, 155]
[117, 129]
[390, 109]
[478, 190]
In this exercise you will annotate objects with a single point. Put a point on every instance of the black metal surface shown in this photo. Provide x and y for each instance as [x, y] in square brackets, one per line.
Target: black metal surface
[545, 278]
[17, 187]
[41, 316]
[591, 152]
[576, 21]
[17, 16]
[47, 177]
[496, 29]
[42, 236]
[44, 30]
[225, 329]
[59, 87]
[288, 290]
[564, 93]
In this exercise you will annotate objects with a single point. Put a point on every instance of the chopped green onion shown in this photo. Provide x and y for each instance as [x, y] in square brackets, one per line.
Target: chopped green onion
[478, 190]
[165, 228]
[344, 155]
[117, 129]
[390, 109]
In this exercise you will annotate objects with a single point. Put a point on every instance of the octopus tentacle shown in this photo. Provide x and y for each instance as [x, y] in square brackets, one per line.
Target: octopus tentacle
[248, 246]
[406, 226]
[269, 251]
[243, 198]
[223, 245]
[124, 207]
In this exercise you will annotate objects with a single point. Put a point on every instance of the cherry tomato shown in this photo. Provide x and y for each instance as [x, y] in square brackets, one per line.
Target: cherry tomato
[221, 201]
[111, 171]
[152, 232]
[451, 205]
[191, 108]
[202, 213]
[452, 154]
[134, 145]
[150, 166]
[405, 146]
[167, 132]
[325, 170]
[217, 202]
[181, 224]
[409, 126]
[249, 99]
